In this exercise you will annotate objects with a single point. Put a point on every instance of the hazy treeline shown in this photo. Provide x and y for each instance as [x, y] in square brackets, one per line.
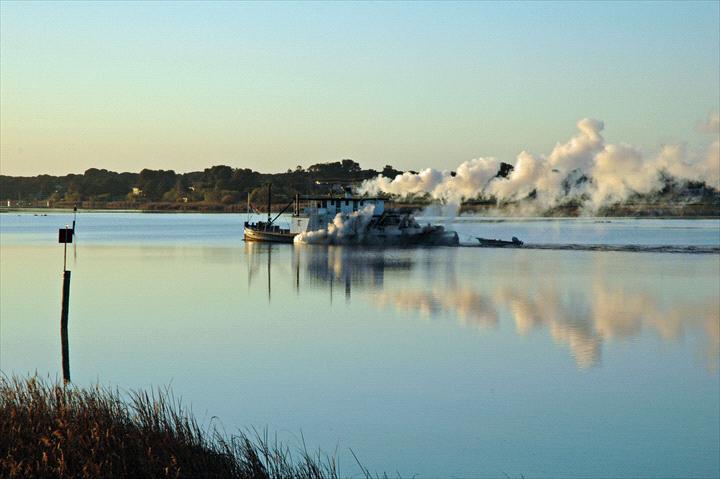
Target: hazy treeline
[223, 188]
[218, 185]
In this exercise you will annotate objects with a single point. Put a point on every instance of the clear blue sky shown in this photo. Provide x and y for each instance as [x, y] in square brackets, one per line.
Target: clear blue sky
[271, 85]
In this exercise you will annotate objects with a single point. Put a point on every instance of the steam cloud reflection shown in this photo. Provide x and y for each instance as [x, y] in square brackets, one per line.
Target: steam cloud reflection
[582, 317]
[583, 323]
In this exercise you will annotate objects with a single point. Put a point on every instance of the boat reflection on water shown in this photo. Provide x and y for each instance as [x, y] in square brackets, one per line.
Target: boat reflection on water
[345, 266]
[256, 255]
[582, 316]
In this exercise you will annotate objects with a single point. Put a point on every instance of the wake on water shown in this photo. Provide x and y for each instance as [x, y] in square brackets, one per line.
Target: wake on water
[687, 249]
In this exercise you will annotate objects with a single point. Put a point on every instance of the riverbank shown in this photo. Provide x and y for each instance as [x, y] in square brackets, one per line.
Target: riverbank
[52, 430]
[666, 211]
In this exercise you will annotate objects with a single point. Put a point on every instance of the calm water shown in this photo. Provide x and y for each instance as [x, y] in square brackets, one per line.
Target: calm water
[466, 362]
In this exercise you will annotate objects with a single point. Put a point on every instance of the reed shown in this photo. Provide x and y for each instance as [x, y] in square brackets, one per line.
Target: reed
[53, 430]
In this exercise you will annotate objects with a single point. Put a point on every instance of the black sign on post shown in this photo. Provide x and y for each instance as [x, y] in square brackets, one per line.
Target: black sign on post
[65, 235]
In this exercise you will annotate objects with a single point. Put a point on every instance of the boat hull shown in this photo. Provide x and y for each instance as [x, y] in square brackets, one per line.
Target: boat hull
[495, 243]
[268, 236]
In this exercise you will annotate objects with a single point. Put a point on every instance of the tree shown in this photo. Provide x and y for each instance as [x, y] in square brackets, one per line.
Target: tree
[244, 180]
[155, 183]
[505, 170]
[390, 172]
[350, 166]
[217, 177]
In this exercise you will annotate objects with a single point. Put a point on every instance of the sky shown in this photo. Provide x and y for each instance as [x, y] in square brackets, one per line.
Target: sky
[269, 86]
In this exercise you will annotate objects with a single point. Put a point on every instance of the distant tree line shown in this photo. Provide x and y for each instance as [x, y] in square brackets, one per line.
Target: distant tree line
[223, 188]
[216, 187]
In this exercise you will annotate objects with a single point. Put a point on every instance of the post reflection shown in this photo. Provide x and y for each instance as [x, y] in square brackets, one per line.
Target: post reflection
[581, 316]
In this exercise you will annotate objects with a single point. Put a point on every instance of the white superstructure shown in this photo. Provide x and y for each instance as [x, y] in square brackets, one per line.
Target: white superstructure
[366, 221]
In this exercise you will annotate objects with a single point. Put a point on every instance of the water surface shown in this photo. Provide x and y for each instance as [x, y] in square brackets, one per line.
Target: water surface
[465, 362]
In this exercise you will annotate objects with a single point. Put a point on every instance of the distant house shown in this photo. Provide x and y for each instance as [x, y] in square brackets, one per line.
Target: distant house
[137, 191]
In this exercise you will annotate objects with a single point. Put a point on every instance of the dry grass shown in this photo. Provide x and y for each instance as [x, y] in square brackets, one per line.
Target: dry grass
[52, 430]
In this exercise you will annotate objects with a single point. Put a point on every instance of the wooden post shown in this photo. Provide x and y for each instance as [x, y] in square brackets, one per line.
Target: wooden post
[64, 326]
[65, 237]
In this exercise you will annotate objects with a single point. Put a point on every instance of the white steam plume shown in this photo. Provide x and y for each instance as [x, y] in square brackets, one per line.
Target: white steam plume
[585, 168]
[342, 230]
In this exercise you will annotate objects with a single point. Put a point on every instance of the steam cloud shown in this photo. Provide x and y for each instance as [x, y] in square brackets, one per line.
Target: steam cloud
[585, 168]
[342, 230]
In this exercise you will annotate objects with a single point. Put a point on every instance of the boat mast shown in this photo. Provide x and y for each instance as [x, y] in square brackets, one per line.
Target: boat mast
[269, 188]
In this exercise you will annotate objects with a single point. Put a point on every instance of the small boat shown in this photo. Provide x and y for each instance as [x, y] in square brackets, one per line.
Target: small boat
[496, 243]
[266, 231]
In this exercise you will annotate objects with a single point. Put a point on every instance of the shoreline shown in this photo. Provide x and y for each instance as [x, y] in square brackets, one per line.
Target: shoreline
[464, 215]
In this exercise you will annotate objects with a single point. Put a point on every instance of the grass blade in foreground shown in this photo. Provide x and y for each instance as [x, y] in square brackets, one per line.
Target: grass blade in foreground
[50, 430]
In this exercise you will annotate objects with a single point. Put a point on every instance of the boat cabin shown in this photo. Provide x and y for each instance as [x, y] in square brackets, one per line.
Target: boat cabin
[317, 211]
[344, 205]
